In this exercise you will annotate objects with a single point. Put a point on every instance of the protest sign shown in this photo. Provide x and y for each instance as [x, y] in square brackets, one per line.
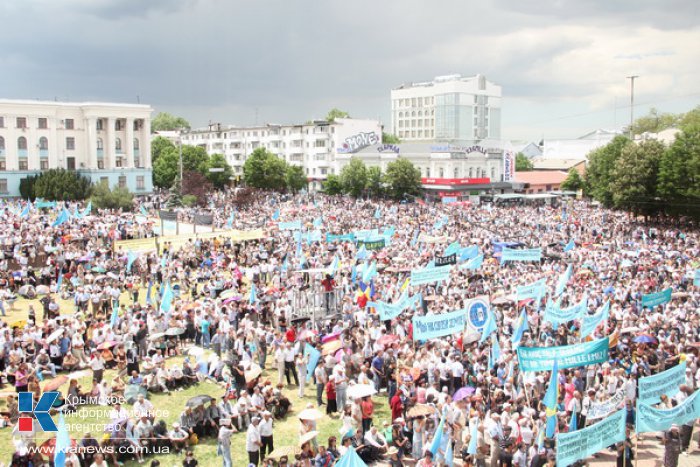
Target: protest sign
[556, 315]
[667, 382]
[604, 408]
[567, 356]
[580, 444]
[446, 324]
[532, 254]
[429, 275]
[535, 290]
[424, 238]
[650, 419]
[348, 237]
[445, 260]
[373, 244]
[478, 312]
[293, 225]
[389, 311]
[659, 298]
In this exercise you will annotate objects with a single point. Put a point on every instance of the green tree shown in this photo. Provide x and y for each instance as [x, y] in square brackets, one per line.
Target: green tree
[690, 120]
[263, 169]
[116, 198]
[573, 182]
[389, 138]
[375, 181]
[403, 178]
[522, 163]
[26, 187]
[296, 178]
[166, 168]
[655, 122]
[635, 175]
[194, 159]
[679, 174]
[332, 185]
[167, 122]
[61, 185]
[218, 179]
[159, 145]
[353, 177]
[601, 162]
[336, 113]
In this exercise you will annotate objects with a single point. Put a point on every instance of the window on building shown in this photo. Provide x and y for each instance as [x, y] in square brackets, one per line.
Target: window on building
[122, 181]
[3, 185]
[44, 164]
[69, 124]
[43, 143]
[43, 123]
[493, 173]
[21, 122]
[471, 172]
[118, 144]
[118, 124]
[100, 164]
[136, 143]
[137, 124]
[427, 171]
[3, 165]
[22, 143]
[140, 182]
[118, 162]
[70, 143]
[2, 143]
[23, 163]
[100, 144]
[320, 143]
[104, 181]
[100, 124]
[2, 122]
[456, 173]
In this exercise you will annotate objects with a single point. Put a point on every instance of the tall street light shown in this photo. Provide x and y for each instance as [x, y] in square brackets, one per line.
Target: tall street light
[632, 78]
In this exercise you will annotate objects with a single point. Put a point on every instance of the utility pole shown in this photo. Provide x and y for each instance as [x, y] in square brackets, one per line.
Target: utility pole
[632, 78]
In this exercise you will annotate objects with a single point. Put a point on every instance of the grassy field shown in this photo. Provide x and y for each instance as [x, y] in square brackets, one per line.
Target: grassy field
[285, 432]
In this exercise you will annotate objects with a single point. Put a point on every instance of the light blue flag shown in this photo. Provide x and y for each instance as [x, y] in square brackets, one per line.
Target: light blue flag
[378, 213]
[302, 261]
[495, 348]
[350, 459]
[590, 323]
[696, 279]
[468, 253]
[276, 215]
[473, 264]
[353, 274]
[573, 424]
[318, 222]
[59, 281]
[143, 211]
[334, 265]
[130, 258]
[314, 355]
[452, 249]
[437, 439]
[253, 295]
[474, 435]
[369, 272]
[540, 439]
[285, 265]
[570, 246]
[449, 454]
[62, 443]
[563, 280]
[166, 301]
[88, 209]
[361, 253]
[114, 318]
[551, 397]
[26, 210]
[416, 233]
[551, 425]
[63, 217]
[229, 223]
[520, 329]
[489, 327]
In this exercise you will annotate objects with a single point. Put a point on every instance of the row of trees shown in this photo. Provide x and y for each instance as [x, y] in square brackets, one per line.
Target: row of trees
[263, 169]
[356, 179]
[647, 178]
[68, 185]
[166, 164]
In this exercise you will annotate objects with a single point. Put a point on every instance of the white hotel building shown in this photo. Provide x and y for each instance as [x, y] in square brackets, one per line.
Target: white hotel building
[450, 108]
[105, 142]
[314, 146]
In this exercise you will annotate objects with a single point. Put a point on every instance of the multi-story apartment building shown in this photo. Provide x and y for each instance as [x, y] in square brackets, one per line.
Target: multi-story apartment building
[106, 142]
[449, 108]
[313, 145]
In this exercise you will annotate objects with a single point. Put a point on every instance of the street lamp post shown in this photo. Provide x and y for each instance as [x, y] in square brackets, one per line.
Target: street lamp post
[632, 78]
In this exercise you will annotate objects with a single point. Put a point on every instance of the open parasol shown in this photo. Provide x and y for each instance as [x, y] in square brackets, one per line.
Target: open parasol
[310, 414]
[306, 437]
[359, 391]
[463, 393]
[253, 372]
[421, 410]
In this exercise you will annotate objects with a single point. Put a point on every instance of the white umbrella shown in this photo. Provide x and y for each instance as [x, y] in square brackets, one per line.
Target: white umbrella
[306, 437]
[253, 372]
[359, 391]
[156, 336]
[42, 289]
[195, 351]
[310, 414]
[54, 335]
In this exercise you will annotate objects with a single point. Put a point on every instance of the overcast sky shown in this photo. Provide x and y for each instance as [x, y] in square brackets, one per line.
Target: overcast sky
[562, 64]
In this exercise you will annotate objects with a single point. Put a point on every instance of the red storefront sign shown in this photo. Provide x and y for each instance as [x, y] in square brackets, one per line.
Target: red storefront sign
[455, 181]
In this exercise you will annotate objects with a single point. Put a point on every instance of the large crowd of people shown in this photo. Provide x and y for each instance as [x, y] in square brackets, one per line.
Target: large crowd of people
[232, 310]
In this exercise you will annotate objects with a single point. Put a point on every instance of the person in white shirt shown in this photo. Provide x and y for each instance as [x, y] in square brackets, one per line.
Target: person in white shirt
[253, 441]
[143, 406]
[97, 364]
[266, 434]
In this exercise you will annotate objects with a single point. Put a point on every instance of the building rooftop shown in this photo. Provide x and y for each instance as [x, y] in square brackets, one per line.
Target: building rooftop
[437, 79]
[541, 177]
[71, 104]
[547, 163]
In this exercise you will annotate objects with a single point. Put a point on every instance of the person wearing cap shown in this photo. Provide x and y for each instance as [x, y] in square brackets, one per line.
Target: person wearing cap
[178, 437]
[266, 434]
[224, 441]
[253, 441]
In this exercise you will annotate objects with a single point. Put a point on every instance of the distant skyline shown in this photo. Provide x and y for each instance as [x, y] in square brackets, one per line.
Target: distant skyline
[562, 65]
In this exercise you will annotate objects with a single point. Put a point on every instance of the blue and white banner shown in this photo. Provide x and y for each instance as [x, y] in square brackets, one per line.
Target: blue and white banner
[572, 447]
[348, 237]
[532, 254]
[433, 326]
[567, 356]
[468, 253]
[389, 311]
[429, 275]
[654, 299]
[667, 383]
[556, 315]
[563, 280]
[591, 322]
[364, 234]
[473, 264]
[650, 419]
[478, 312]
[535, 290]
[293, 225]
[451, 249]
